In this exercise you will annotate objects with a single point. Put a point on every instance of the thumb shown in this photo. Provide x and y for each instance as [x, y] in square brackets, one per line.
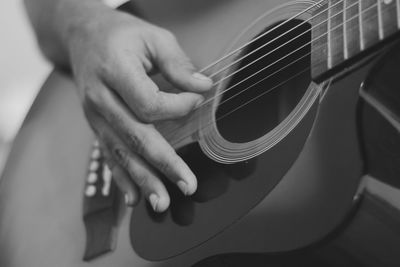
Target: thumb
[176, 67]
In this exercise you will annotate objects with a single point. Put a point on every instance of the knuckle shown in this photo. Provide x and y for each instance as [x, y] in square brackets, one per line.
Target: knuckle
[93, 96]
[168, 165]
[136, 142]
[186, 63]
[141, 180]
[149, 112]
[115, 117]
[121, 156]
[165, 166]
[174, 64]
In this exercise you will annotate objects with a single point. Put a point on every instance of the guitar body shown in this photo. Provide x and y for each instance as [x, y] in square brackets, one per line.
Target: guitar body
[286, 198]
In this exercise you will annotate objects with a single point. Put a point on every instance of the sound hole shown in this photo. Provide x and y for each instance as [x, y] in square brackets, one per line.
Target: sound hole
[253, 106]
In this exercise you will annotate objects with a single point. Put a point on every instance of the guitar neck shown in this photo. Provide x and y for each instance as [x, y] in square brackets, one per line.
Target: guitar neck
[345, 31]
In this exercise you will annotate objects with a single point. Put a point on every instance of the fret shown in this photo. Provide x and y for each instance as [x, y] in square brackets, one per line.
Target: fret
[370, 23]
[380, 22]
[319, 44]
[329, 35]
[398, 13]
[336, 32]
[345, 41]
[352, 27]
[389, 17]
[360, 23]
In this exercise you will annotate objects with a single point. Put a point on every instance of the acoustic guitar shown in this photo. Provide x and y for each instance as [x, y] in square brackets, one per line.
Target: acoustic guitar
[277, 147]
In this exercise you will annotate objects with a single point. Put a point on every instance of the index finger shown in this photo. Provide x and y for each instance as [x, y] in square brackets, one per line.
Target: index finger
[145, 99]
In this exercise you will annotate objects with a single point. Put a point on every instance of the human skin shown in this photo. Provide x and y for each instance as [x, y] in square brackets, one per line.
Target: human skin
[111, 55]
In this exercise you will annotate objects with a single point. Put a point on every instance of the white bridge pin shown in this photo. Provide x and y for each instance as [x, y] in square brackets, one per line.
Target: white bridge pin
[90, 191]
[96, 153]
[94, 166]
[92, 178]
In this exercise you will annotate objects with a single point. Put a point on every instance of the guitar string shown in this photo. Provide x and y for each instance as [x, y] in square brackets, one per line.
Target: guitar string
[226, 90]
[239, 107]
[172, 131]
[268, 91]
[270, 52]
[286, 43]
[283, 34]
[273, 63]
[239, 49]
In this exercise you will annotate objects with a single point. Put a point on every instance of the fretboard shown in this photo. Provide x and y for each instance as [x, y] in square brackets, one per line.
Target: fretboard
[344, 30]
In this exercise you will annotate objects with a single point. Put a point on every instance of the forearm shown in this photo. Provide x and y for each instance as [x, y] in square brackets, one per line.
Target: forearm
[57, 22]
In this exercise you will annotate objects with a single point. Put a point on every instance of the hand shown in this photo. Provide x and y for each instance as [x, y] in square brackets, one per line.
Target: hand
[112, 55]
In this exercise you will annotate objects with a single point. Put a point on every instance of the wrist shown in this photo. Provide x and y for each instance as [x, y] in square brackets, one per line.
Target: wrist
[75, 19]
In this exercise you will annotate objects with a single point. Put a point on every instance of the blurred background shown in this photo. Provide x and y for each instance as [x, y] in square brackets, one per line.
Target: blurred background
[22, 71]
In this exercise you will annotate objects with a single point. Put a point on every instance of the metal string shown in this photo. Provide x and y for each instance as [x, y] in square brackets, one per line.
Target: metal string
[271, 76]
[281, 35]
[234, 52]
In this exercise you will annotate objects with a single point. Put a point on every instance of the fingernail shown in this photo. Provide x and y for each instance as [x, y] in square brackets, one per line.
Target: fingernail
[154, 201]
[128, 200]
[183, 187]
[200, 76]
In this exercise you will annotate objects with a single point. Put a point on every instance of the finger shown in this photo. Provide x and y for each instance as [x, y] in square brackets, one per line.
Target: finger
[177, 67]
[139, 171]
[146, 141]
[123, 181]
[145, 178]
[142, 95]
